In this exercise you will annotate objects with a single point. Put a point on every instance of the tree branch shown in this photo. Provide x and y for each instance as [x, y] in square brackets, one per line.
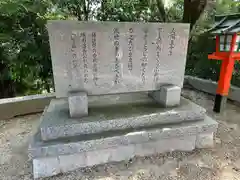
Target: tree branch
[85, 10]
[161, 10]
[193, 11]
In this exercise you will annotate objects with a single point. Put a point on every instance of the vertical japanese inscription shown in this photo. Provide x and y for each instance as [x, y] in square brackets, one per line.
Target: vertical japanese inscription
[73, 71]
[172, 37]
[117, 58]
[158, 51]
[145, 57]
[94, 54]
[73, 50]
[84, 56]
[130, 49]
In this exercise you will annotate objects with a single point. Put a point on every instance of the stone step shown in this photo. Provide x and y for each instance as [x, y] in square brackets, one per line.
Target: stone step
[84, 143]
[132, 111]
[51, 158]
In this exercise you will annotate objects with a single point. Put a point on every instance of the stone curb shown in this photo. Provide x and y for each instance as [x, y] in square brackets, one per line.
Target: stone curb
[210, 87]
[11, 107]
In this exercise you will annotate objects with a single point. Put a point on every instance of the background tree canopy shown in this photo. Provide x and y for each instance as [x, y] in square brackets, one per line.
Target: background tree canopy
[25, 62]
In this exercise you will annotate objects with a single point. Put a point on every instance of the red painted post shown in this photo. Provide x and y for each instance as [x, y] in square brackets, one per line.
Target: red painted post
[224, 82]
[226, 71]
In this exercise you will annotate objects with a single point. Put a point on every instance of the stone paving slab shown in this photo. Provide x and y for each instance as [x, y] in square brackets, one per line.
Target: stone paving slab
[132, 111]
[72, 155]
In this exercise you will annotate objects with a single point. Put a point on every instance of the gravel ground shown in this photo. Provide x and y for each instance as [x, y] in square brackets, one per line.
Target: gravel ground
[219, 163]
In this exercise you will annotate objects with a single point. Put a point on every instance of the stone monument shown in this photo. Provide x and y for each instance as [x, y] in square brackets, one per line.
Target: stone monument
[118, 95]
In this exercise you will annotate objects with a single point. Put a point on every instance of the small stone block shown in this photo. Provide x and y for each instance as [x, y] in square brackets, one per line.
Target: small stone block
[45, 167]
[97, 157]
[121, 153]
[72, 161]
[182, 143]
[205, 140]
[78, 104]
[168, 95]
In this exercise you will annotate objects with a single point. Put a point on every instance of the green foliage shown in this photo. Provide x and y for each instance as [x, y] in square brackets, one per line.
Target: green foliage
[25, 63]
[203, 44]
[24, 43]
[198, 63]
[124, 11]
[175, 12]
[227, 7]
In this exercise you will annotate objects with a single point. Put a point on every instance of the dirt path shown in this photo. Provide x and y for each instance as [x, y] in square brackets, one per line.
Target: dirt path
[219, 163]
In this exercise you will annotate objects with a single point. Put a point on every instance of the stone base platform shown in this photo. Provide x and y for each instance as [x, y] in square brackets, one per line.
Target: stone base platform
[54, 157]
[118, 128]
[114, 112]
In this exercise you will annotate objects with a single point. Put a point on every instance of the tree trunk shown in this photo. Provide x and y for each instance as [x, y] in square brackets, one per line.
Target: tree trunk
[6, 84]
[207, 15]
[78, 12]
[193, 10]
[85, 9]
[161, 10]
[186, 12]
[103, 10]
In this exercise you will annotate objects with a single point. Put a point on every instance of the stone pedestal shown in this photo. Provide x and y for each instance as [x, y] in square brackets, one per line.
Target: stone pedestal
[168, 95]
[118, 127]
[78, 104]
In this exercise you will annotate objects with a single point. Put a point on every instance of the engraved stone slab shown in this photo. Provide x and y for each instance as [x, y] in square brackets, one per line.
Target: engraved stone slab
[116, 57]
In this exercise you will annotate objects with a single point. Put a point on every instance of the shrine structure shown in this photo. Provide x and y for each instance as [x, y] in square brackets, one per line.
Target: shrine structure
[227, 32]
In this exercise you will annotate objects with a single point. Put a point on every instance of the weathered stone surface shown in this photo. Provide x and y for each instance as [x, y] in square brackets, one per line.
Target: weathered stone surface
[74, 161]
[79, 152]
[105, 140]
[116, 57]
[210, 87]
[204, 85]
[121, 153]
[127, 111]
[207, 127]
[168, 95]
[205, 135]
[182, 143]
[45, 167]
[11, 107]
[205, 140]
[78, 104]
